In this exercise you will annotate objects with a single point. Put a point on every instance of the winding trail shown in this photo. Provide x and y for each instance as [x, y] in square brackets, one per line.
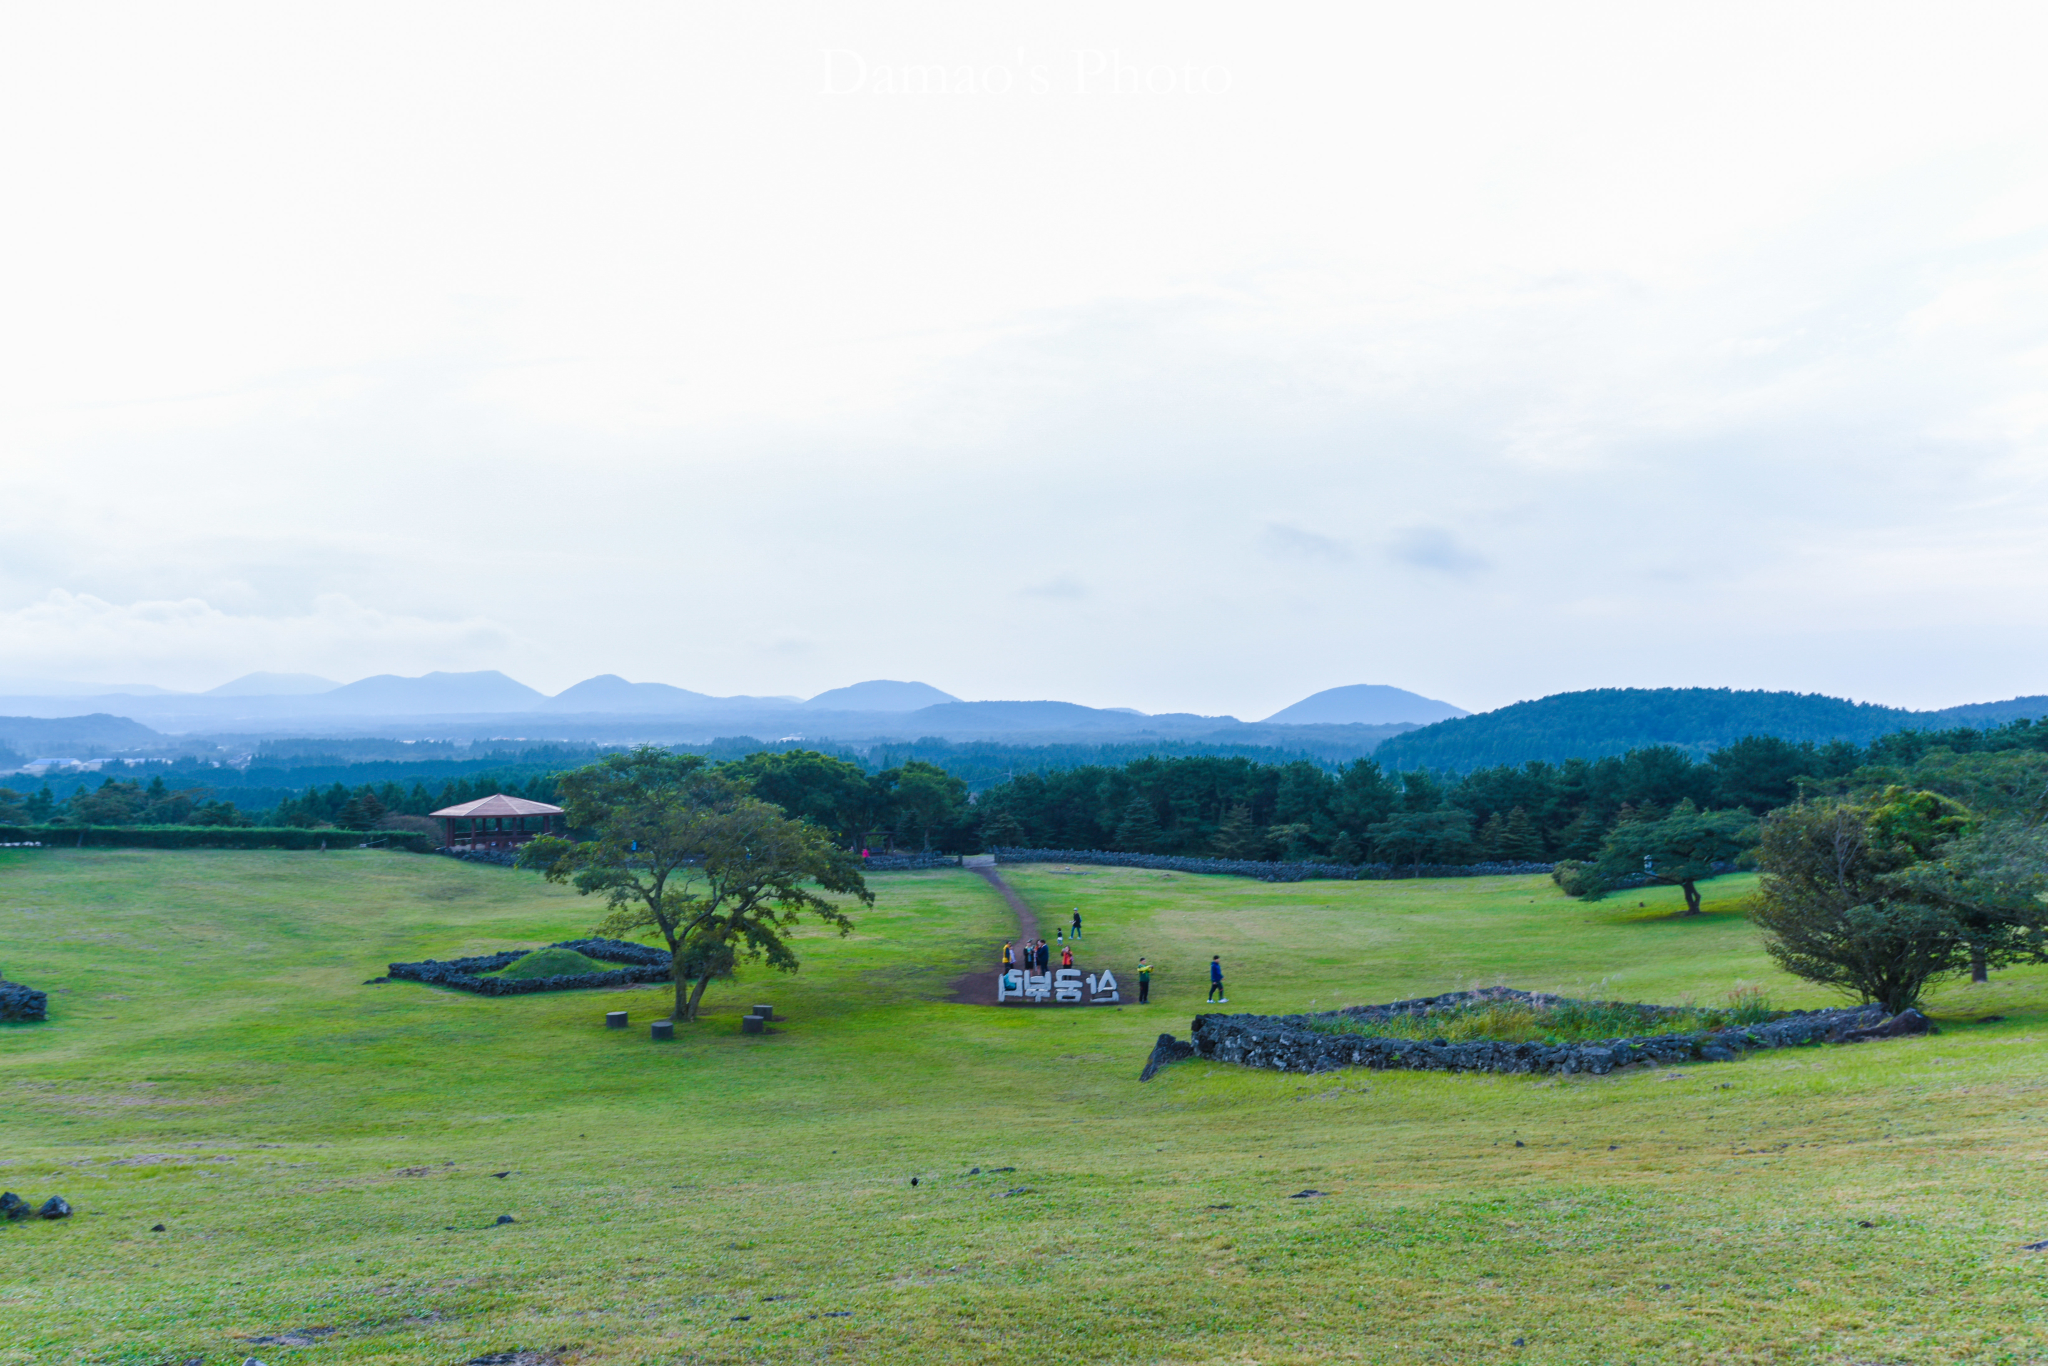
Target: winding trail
[979, 988]
[1027, 919]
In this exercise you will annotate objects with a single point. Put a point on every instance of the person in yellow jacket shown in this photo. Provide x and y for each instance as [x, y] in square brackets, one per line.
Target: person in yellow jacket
[1144, 981]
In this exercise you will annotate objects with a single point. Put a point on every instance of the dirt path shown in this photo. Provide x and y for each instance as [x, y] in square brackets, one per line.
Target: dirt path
[978, 988]
[1027, 919]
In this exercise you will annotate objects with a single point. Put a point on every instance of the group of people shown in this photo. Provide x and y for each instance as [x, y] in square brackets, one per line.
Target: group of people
[1036, 955]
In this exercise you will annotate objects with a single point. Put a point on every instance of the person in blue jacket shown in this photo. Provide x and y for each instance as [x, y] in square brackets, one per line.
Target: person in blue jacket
[1216, 979]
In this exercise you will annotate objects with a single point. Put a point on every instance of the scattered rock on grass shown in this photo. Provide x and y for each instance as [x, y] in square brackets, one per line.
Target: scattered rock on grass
[1990, 1019]
[156, 1228]
[56, 1207]
[2038, 1247]
[297, 1337]
[1307, 1194]
[506, 1219]
[13, 1206]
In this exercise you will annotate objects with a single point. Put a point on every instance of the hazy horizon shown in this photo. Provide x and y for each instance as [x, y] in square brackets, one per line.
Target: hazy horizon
[1177, 359]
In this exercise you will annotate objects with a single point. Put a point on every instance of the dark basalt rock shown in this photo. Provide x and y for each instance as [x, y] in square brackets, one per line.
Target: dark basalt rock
[14, 1207]
[22, 1003]
[647, 965]
[1288, 1043]
[1168, 1049]
[56, 1207]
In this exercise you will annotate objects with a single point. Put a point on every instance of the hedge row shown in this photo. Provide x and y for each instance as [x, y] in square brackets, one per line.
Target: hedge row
[210, 837]
[1267, 872]
[648, 965]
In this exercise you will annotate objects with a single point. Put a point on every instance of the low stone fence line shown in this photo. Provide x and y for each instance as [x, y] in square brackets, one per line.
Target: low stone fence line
[22, 1003]
[903, 863]
[22, 844]
[647, 965]
[1287, 1043]
[1265, 871]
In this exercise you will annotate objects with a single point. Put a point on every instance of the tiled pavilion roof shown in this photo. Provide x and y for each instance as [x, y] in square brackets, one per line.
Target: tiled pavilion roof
[498, 804]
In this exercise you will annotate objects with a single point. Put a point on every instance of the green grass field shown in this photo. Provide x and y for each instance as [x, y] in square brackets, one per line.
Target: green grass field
[322, 1152]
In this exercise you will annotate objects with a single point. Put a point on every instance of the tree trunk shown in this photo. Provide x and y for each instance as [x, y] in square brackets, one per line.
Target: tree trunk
[1979, 976]
[698, 995]
[1692, 897]
[682, 982]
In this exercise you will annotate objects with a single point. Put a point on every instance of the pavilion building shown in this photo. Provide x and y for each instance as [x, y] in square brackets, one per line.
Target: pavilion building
[497, 822]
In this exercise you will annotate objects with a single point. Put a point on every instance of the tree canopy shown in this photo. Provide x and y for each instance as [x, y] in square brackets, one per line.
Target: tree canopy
[688, 852]
[1680, 850]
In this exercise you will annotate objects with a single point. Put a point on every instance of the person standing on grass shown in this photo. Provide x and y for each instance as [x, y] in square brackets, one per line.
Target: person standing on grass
[1044, 956]
[1009, 957]
[1077, 924]
[1144, 981]
[1067, 956]
[1216, 979]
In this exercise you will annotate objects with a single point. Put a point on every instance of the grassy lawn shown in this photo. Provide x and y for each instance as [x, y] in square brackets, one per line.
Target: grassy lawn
[322, 1152]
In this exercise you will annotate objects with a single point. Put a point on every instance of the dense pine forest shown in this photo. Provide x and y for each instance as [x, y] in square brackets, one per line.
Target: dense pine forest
[1262, 804]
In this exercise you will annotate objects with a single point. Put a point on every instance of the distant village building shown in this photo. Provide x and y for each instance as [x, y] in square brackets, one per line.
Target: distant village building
[497, 822]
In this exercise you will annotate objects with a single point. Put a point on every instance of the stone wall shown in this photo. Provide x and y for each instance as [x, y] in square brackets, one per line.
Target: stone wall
[1268, 872]
[1287, 1043]
[18, 1002]
[646, 965]
[903, 863]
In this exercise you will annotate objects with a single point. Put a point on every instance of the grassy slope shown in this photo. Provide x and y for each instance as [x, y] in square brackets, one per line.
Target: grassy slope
[217, 1066]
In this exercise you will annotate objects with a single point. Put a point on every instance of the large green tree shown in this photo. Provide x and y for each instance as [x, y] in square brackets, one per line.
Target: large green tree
[1836, 901]
[1680, 850]
[690, 854]
[1992, 881]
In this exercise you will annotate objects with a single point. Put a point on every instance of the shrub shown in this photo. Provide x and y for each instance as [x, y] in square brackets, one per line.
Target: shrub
[553, 962]
[1578, 879]
[207, 837]
[1833, 908]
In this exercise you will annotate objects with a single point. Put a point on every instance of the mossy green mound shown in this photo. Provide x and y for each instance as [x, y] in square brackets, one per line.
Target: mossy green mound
[555, 963]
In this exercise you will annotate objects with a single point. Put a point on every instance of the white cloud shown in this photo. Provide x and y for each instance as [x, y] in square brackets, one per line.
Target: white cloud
[190, 644]
[558, 347]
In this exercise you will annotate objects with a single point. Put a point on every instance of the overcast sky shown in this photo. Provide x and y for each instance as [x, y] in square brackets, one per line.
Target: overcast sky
[1178, 357]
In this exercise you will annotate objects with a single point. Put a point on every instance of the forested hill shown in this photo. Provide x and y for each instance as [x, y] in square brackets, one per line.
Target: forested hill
[1604, 721]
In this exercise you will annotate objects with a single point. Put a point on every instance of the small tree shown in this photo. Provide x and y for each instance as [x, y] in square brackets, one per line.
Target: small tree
[1441, 834]
[1833, 908]
[1523, 842]
[1680, 850]
[1345, 849]
[1001, 830]
[1991, 881]
[1237, 837]
[1138, 832]
[927, 797]
[690, 855]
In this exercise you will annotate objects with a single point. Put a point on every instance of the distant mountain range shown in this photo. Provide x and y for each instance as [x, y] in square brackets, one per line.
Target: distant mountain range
[304, 704]
[1402, 730]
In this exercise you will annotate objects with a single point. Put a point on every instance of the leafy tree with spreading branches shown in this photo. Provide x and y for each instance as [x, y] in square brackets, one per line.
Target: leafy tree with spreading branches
[692, 855]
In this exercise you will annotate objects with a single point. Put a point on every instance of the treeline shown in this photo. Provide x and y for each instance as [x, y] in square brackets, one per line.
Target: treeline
[1232, 806]
[1533, 811]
